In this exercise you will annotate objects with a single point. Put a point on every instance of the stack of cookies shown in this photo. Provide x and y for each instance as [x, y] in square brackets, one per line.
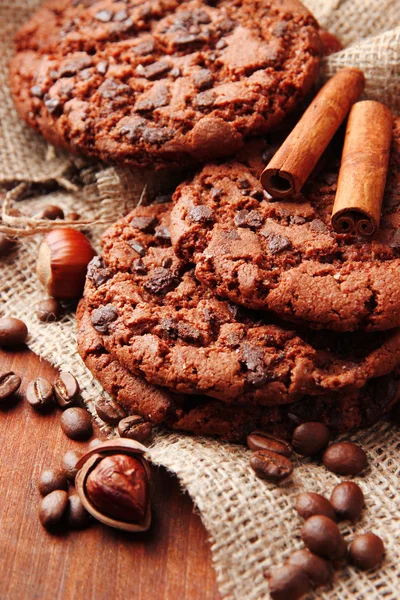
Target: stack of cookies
[222, 312]
[218, 311]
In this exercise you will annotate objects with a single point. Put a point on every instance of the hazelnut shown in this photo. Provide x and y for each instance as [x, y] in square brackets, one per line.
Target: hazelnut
[113, 484]
[118, 487]
[64, 255]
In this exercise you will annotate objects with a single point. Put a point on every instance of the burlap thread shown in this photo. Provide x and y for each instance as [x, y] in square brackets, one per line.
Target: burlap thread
[251, 523]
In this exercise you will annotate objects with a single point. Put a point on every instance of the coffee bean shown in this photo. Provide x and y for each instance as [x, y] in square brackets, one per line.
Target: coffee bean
[39, 393]
[69, 463]
[348, 500]
[309, 504]
[109, 411]
[259, 440]
[73, 216]
[135, 428]
[9, 384]
[52, 508]
[48, 310]
[322, 536]
[288, 583]
[50, 480]
[6, 245]
[77, 515]
[94, 443]
[76, 424]
[318, 569]
[66, 389]
[345, 458]
[51, 212]
[310, 438]
[270, 466]
[366, 551]
[12, 332]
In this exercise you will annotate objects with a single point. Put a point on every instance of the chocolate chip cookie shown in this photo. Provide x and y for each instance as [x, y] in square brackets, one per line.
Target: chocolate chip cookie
[283, 256]
[162, 324]
[203, 416]
[162, 82]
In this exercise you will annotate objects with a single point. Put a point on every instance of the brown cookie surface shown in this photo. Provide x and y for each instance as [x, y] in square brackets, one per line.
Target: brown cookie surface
[162, 82]
[284, 256]
[162, 324]
[203, 416]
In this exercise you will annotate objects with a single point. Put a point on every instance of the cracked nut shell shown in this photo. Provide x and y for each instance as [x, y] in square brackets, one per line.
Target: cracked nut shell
[113, 484]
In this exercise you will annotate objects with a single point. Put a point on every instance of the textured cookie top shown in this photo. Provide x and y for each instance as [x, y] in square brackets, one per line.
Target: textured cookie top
[205, 416]
[162, 82]
[162, 324]
[284, 256]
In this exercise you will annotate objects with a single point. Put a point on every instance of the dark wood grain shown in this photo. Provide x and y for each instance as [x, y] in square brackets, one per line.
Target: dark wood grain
[170, 562]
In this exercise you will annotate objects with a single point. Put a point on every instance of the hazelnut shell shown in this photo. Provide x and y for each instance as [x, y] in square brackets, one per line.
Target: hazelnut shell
[88, 462]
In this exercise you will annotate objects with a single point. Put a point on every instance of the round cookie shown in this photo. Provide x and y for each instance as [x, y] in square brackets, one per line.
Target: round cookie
[159, 322]
[283, 256]
[203, 416]
[162, 82]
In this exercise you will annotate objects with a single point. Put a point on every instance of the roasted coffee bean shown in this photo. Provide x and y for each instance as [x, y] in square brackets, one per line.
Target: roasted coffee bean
[109, 411]
[9, 384]
[51, 212]
[258, 440]
[39, 393]
[76, 424]
[53, 508]
[366, 551]
[48, 310]
[309, 504]
[50, 480]
[310, 438]
[270, 466]
[136, 428]
[288, 583]
[6, 245]
[69, 462]
[348, 500]
[94, 443]
[322, 536]
[345, 458]
[66, 389]
[77, 515]
[318, 569]
[12, 332]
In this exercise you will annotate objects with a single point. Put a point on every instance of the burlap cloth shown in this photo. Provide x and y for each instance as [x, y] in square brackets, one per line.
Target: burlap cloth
[252, 524]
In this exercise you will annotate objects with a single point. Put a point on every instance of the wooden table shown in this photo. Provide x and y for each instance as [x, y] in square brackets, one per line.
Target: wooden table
[170, 562]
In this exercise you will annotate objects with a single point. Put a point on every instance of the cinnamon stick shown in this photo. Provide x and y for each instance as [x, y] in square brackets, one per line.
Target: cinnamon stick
[363, 169]
[290, 167]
